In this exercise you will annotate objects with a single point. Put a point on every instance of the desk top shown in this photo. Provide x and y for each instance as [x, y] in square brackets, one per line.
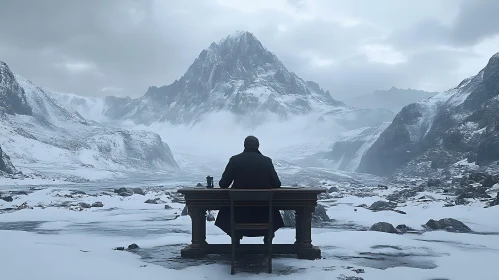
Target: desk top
[281, 189]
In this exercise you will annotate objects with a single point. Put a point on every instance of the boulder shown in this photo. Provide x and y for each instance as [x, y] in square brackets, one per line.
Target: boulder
[7, 198]
[382, 206]
[168, 207]
[210, 217]
[155, 201]
[98, 204]
[288, 216]
[383, 227]
[123, 192]
[403, 228]
[133, 246]
[185, 211]
[138, 191]
[333, 189]
[404, 194]
[318, 217]
[84, 205]
[448, 224]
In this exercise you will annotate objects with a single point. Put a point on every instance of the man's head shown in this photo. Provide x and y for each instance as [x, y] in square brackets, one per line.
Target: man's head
[251, 142]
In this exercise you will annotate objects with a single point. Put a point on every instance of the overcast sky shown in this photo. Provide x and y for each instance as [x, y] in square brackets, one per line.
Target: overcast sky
[350, 47]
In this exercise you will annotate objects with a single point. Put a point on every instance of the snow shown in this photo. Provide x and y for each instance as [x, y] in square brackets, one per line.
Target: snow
[57, 242]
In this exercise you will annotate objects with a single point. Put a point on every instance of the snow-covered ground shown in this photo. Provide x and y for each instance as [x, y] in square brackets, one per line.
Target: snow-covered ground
[59, 237]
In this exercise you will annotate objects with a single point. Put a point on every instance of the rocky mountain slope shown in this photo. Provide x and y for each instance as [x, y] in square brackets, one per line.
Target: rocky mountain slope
[39, 131]
[5, 164]
[393, 99]
[461, 123]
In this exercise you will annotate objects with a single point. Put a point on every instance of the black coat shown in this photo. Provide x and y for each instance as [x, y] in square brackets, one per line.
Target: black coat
[249, 170]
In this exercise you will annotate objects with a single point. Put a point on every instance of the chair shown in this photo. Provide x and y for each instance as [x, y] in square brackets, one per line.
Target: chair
[242, 198]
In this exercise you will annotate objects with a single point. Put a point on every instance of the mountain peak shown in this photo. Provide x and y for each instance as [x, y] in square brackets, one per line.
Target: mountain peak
[12, 96]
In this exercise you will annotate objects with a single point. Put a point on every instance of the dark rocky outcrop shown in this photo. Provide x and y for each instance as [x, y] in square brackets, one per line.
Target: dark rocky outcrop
[458, 124]
[84, 205]
[448, 224]
[383, 227]
[5, 164]
[383, 206]
[404, 194]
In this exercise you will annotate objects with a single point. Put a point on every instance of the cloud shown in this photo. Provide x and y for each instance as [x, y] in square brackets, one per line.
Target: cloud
[348, 47]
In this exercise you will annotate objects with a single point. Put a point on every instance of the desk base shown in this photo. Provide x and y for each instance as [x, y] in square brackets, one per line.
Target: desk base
[226, 249]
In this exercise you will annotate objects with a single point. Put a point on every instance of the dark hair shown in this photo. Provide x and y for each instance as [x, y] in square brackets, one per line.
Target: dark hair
[251, 142]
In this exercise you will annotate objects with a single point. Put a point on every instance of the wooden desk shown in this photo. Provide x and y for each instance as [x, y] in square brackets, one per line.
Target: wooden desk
[302, 200]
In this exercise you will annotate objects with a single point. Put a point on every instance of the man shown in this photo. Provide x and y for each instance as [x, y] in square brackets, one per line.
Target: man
[249, 170]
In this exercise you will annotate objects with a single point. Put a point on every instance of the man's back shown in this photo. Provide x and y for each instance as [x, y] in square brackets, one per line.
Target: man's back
[250, 170]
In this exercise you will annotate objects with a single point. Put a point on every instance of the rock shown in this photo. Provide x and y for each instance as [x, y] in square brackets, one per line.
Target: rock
[138, 191]
[210, 217]
[382, 187]
[472, 192]
[98, 204]
[333, 189]
[288, 216]
[155, 201]
[199, 185]
[18, 193]
[434, 183]
[78, 192]
[7, 198]
[119, 248]
[123, 192]
[362, 206]
[319, 216]
[404, 194]
[399, 211]
[383, 227]
[84, 205]
[343, 277]
[382, 206]
[461, 201]
[168, 207]
[490, 181]
[448, 224]
[403, 228]
[358, 270]
[133, 246]
[24, 206]
[185, 211]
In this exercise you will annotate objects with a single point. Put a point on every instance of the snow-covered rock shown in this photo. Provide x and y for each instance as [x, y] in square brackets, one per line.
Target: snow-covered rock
[461, 123]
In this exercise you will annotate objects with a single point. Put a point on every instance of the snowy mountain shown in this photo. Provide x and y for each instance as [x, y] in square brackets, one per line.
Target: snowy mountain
[53, 136]
[393, 99]
[237, 74]
[461, 123]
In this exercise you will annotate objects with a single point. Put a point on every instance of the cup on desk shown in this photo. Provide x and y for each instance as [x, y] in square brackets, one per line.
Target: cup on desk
[209, 182]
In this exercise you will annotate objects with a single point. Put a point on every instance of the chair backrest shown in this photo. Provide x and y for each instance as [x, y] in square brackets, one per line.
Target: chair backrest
[253, 195]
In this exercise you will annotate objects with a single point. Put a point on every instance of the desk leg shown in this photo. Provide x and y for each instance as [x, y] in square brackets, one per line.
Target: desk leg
[197, 248]
[306, 249]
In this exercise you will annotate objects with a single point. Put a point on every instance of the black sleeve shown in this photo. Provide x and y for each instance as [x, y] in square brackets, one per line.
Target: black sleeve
[228, 175]
[274, 179]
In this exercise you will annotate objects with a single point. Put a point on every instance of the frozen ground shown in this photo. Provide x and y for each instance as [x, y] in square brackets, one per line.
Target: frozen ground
[61, 239]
